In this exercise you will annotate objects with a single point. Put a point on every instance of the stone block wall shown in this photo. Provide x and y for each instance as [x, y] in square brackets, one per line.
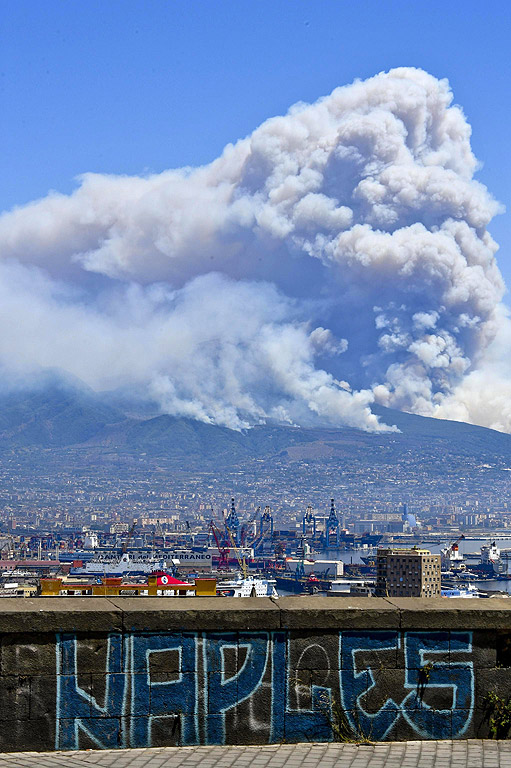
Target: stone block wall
[78, 673]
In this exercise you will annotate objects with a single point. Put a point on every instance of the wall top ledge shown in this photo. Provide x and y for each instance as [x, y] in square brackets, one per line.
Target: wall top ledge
[57, 614]
[103, 614]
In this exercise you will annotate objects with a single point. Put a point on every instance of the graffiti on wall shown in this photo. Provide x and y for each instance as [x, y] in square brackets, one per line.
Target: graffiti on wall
[264, 687]
[428, 666]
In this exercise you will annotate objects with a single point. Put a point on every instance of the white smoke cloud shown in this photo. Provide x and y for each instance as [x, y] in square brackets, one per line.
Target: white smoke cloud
[336, 255]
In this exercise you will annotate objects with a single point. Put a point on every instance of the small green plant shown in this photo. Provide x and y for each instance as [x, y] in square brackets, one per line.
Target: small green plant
[498, 713]
[423, 679]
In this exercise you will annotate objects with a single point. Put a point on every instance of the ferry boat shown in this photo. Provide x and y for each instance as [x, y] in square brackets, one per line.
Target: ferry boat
[463, 591]
[250, 586]
[126, 564]
[139, 563]
[359, 587]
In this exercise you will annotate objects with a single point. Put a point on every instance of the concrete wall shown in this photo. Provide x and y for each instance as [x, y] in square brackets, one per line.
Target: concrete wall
[102, 673]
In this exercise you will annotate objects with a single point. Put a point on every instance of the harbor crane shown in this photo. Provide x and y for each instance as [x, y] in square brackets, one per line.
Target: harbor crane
[232, 522]
[223, 551]
[245, 528]
[309, 523]
[241, 560]
[333, 534]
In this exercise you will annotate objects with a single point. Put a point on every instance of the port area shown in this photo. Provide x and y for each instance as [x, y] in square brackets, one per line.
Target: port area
[471, 753]
[183, 564]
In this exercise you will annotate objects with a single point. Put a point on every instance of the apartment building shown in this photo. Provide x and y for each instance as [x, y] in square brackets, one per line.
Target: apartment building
[407, 573]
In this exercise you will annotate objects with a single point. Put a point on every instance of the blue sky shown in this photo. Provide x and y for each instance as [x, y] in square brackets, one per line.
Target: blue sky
[131, 86]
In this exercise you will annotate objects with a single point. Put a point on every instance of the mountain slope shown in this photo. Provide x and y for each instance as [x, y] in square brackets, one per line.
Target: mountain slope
[62, 414]
[56, 415]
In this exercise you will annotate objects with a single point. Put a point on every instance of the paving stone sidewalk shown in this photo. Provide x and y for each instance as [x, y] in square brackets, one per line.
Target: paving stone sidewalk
[423, 754]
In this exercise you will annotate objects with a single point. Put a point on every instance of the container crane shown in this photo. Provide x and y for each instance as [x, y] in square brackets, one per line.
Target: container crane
[333, 536]
[241, 561]
[223, 551]
[309, 523]
[245, 527]
[232, 522]
[265, 539]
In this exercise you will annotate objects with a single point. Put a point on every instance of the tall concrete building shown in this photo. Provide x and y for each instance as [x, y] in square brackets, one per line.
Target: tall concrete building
[407, 573]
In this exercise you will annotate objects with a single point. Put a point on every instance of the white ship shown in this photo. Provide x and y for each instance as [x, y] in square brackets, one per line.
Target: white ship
[491, 561]
[139, 563]
[126, 564]
[248, 587]
[451, 558]
[467, 591]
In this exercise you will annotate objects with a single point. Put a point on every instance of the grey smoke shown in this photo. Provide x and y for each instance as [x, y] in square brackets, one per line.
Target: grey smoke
[337, 255]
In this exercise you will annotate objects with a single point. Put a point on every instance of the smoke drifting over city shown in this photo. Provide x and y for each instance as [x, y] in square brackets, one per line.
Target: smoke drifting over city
[335, 257]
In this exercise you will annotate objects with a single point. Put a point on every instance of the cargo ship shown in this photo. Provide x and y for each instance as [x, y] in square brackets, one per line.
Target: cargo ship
[491, 566]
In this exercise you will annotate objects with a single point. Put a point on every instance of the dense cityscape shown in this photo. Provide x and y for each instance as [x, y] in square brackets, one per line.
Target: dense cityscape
[51, 491]
[255, 384]
[57, 503]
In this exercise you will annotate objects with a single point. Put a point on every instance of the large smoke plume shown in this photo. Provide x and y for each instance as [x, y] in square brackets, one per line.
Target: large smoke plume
[335, 256]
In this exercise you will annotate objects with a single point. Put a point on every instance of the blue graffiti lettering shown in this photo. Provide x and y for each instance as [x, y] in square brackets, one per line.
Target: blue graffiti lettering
[77, 709]
[456, 678]
[357, 681]
[174, 700]
[293, 724]
[225, 691]
[185, 685]
[427, 667]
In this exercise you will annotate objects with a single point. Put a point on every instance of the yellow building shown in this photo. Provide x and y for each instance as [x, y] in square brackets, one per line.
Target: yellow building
[407, 573]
